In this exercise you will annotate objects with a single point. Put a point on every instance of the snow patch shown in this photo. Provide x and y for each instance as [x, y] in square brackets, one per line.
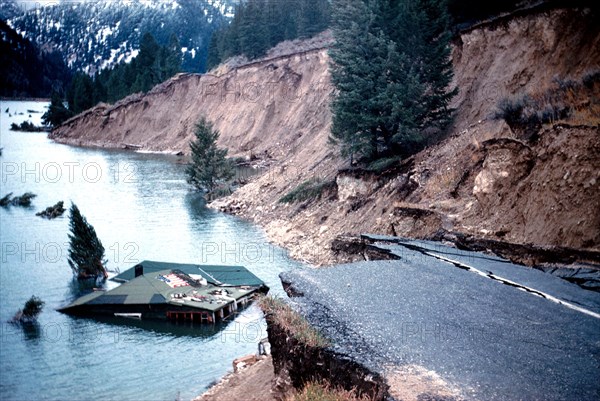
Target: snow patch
[132, 55]
[103, 33]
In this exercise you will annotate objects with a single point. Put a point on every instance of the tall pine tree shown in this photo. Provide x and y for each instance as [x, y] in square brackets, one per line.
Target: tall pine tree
[214, 50]
[86, 253]
[391, 68]
[254, 40]
[209, 164]
[354, 72]
[57, 112]
[422, 31]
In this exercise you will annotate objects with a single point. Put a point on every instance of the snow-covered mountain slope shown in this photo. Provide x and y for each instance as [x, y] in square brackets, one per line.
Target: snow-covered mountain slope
[96, 34]
[9, 9]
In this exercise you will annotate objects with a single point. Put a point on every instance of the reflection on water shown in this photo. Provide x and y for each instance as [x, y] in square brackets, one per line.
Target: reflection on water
[142, 209]
[31, 330]
[172, 328]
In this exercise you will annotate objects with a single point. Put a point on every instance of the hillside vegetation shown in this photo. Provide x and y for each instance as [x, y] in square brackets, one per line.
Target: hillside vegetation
[258, 25]
[26, 70]
[488, 178]
[93, 35]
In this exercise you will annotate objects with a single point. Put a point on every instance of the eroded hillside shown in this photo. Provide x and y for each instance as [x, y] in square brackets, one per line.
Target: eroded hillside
[270, 108]
[485, 179]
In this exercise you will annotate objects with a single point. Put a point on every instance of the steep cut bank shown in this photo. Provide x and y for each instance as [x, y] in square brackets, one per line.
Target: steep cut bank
[486, 179]
[269, 108]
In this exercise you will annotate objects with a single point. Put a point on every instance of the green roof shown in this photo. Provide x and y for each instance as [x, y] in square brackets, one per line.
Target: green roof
[214, 274]
[142, 290]
[151, 287]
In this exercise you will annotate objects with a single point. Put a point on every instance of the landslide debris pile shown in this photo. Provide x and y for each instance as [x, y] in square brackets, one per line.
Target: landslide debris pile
[488, 178]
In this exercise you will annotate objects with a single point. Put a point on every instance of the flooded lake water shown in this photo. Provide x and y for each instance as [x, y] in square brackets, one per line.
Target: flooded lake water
[142, 209]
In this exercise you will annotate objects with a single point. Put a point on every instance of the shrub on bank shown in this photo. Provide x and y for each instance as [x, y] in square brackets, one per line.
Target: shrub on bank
[291, 321]
[324, 392]
[27, 126]
[565, 100]
[310, 189]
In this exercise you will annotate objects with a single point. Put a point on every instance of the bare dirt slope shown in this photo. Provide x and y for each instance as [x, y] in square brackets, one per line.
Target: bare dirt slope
[251, 384]
[270, 108]
[484, 179]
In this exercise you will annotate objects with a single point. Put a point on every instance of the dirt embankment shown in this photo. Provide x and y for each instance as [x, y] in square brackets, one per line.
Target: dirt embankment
[253, 383]
[295, 364]
[485, 179]
[268, 109]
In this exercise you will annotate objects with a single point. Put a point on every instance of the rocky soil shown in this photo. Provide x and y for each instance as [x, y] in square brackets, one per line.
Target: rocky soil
[484, 179]
[253, 383]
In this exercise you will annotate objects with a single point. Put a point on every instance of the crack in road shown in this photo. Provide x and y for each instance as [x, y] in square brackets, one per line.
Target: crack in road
[500, 279]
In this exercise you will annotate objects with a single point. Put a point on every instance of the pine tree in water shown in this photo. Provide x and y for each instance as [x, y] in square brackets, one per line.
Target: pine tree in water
[209, 164]
[86, 252]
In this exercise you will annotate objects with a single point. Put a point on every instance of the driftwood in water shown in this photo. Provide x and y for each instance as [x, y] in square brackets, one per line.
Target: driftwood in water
[23, 200]
[52, 212]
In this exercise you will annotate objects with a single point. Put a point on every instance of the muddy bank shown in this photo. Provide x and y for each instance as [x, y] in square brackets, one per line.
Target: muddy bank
[297, 363]
[260, 108]
[506, 191]
[485, 180]
[253, 383]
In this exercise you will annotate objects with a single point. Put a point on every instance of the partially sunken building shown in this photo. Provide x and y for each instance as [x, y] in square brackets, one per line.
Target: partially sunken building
[159, 290]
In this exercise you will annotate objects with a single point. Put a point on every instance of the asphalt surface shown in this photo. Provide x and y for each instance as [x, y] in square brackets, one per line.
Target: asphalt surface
[492, 340]
[492, 265]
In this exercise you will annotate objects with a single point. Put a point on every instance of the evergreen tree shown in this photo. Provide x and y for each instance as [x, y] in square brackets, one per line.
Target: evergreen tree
[437, 64]
[86, 253]
[275, 21]
[82, 89]
[422, 31]
[115, 87]
[33, 307]
[57, 112]
[313, 17]
[99, 91]
[231, 37]
[148, 51]
[214, 52]
[173, 57]
[129, 73]
[253, 34]
[391, 69]
[209, 164]
[357, 72]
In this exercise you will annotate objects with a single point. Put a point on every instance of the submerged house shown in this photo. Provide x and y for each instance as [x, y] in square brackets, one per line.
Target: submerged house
[159, 290]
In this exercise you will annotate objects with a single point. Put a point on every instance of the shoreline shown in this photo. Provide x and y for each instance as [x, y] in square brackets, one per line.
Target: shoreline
[250, 383]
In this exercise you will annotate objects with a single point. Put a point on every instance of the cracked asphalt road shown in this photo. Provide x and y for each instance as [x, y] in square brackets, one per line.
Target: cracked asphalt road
[491, 340]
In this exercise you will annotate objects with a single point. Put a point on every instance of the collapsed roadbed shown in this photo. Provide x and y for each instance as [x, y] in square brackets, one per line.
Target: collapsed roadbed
[581, 267]
[456, 324]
